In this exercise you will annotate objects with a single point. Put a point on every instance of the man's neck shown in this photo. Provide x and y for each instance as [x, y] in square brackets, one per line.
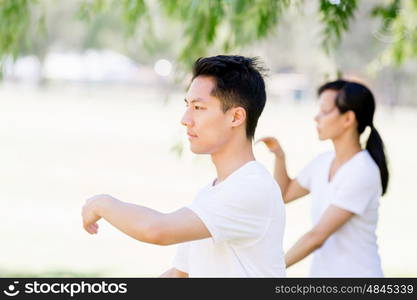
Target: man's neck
[231, 157]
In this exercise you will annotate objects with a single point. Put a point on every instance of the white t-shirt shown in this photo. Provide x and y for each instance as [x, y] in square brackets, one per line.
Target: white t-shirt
[245, 215]
[352, 250]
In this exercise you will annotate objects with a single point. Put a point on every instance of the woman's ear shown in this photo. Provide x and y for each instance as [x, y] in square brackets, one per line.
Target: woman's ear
[350, 118]
[238, 116]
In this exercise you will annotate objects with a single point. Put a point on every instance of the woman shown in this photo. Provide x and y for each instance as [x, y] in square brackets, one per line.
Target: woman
[345, 184]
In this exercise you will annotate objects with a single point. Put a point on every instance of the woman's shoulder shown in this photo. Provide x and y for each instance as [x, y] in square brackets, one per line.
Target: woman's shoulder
[368, 164]
[318, 162]
[323, 156]
[364, 169]
[365, 162]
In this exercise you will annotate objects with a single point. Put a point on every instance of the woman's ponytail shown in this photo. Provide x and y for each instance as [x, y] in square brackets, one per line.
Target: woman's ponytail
[375, 147]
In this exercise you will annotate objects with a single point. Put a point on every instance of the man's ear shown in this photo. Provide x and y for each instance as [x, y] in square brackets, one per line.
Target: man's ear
[238, 116]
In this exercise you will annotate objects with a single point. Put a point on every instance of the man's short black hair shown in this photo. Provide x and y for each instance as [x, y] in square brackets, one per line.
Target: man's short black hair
[238, 82]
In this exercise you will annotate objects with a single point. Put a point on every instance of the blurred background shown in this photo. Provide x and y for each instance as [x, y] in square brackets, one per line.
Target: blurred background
[91, 97]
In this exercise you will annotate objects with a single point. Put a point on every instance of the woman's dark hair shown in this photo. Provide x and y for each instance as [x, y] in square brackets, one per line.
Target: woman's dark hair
[359, 99]
[238, 82]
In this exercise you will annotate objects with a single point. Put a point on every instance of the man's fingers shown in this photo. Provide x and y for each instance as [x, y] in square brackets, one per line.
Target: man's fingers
[90, 228]
[93, 229]
[87, 229]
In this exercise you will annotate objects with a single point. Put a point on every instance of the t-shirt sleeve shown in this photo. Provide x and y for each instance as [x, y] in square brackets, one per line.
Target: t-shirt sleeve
[241, 215]
[180, 261]
[305, 176]
[355, 193]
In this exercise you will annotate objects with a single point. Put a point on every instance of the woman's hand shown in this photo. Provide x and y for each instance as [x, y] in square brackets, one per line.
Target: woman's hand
[273, 145]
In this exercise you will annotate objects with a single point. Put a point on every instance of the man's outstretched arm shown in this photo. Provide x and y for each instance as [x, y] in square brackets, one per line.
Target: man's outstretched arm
[142, 223]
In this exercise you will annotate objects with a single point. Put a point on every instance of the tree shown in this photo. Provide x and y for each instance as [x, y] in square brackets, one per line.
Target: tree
[224, 24]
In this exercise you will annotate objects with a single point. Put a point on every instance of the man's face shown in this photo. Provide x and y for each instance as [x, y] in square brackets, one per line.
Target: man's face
[208, 127]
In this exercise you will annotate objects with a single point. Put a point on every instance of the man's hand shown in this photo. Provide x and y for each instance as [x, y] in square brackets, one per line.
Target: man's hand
[90, 213]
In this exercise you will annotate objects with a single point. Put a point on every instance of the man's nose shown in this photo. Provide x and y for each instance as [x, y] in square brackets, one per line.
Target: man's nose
[186, 119]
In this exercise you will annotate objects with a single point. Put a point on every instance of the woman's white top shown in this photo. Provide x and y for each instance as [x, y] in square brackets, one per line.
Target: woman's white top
[351, 251]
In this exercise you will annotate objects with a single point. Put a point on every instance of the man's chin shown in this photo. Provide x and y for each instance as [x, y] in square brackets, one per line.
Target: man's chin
[320, 137]
[323, 138]
[197, 150]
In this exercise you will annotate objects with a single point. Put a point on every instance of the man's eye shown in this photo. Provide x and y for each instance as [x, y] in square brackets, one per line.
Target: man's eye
[197, 107]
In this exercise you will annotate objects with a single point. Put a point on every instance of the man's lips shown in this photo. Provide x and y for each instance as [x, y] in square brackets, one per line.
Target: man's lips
[191, 135]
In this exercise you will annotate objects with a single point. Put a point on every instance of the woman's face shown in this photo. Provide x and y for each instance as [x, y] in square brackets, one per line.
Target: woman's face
[330, 122]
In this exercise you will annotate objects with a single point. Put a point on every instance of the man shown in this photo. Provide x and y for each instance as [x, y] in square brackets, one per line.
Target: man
[235, 225]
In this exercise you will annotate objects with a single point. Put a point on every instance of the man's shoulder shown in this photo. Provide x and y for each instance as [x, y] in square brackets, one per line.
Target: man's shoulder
[254, 183]
[254, 186]
[255, 176]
